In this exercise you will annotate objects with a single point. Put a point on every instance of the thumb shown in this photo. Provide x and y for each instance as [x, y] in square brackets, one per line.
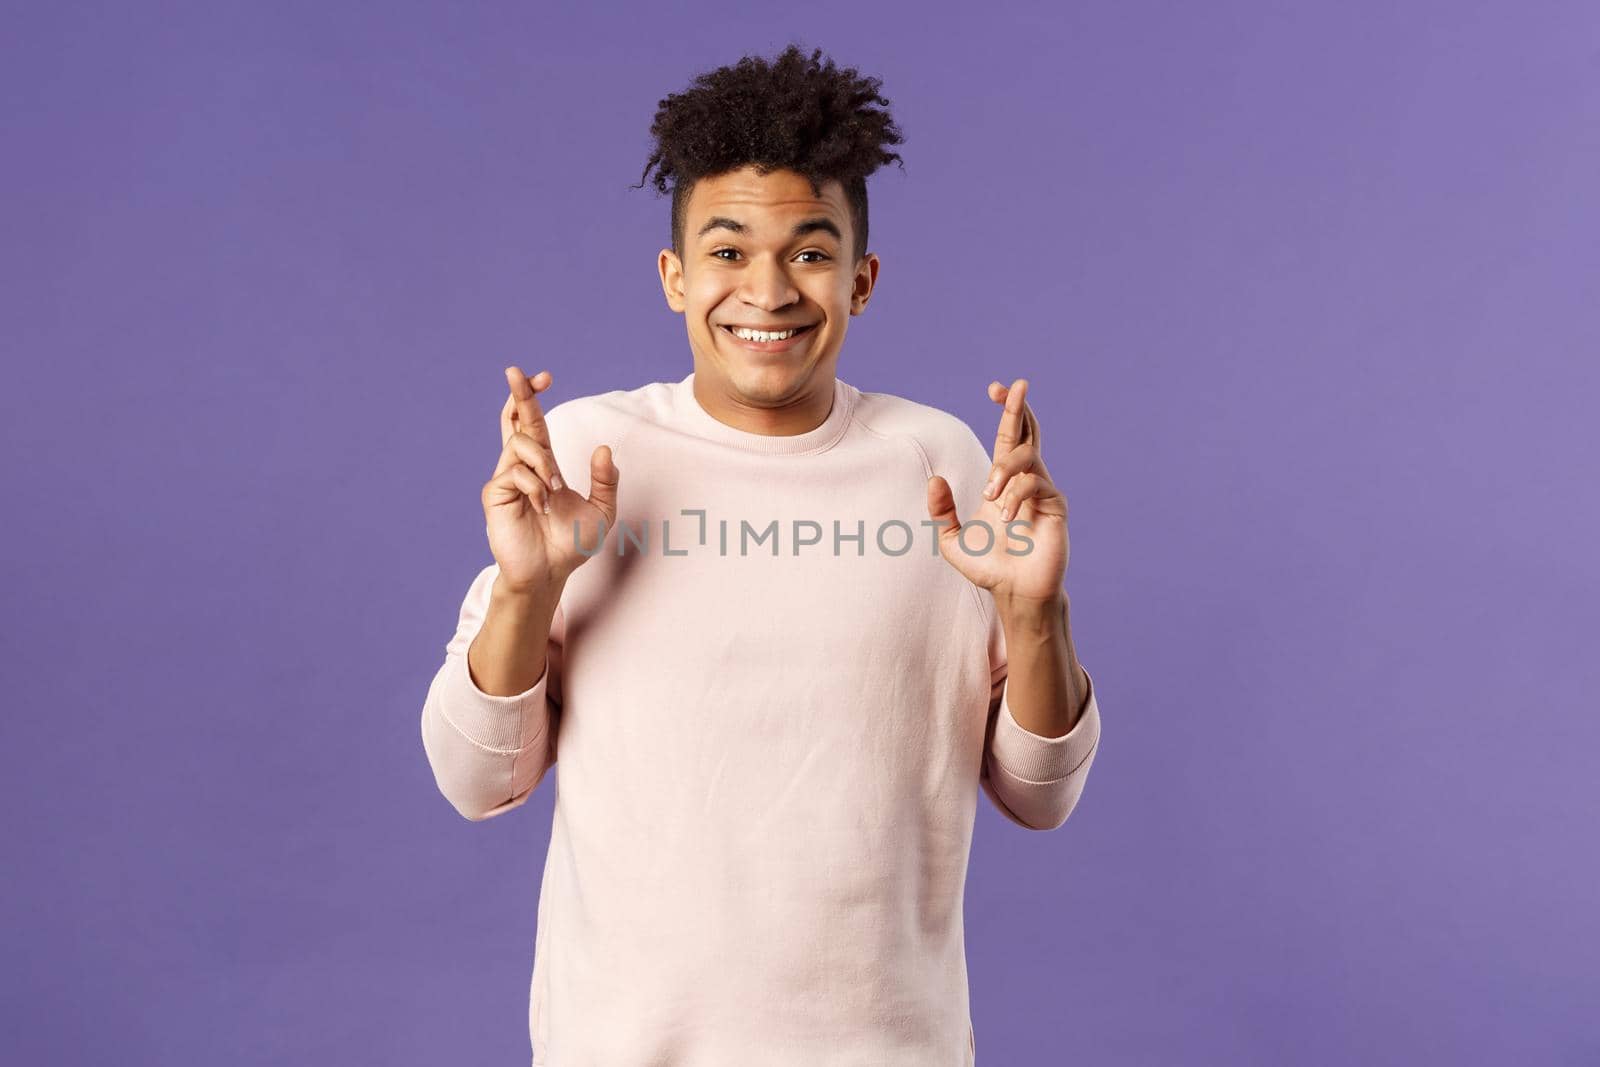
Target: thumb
[942, 504]
[603, 476]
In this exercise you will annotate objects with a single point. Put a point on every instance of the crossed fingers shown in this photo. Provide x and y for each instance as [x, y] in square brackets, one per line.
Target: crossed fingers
[524, 438]
[1018, 473]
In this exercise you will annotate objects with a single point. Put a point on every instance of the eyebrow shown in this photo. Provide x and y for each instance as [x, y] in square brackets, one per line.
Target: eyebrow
[722, 222]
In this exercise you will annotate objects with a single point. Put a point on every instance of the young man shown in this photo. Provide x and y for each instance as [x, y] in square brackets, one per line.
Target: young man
[742, 614]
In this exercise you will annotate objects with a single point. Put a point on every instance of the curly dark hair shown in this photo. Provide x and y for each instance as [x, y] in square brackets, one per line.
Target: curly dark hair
[793, 113]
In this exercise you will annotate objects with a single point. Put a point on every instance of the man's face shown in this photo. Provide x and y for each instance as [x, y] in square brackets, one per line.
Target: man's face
[761, 251]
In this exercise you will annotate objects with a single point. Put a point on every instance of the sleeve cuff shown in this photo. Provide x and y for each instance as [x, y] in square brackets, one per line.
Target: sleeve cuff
[1032, 757]
[499, 723]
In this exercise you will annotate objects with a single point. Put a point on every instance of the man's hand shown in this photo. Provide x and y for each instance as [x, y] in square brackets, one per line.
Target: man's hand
[1020, 489]
[529, 508]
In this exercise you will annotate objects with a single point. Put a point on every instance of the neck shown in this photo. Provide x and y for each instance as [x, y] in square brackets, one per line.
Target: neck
[801, 414]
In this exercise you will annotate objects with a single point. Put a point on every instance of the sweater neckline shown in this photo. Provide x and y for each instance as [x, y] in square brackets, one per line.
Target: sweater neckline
[703, 424]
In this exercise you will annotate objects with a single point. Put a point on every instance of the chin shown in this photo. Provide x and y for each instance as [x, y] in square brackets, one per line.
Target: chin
[769, 380]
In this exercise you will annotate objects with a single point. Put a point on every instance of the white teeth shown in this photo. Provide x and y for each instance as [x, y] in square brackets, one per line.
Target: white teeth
[762, 335]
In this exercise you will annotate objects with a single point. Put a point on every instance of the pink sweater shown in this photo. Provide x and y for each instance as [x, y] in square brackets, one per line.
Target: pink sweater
[769, 751]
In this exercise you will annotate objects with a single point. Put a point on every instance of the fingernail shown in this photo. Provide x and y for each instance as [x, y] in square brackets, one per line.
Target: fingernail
[989, 487]
[555, 482]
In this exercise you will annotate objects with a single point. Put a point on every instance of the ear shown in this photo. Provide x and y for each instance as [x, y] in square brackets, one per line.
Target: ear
[861, 286]
[672, 279]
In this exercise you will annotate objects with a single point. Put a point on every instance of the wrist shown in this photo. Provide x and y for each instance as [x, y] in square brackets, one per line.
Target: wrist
[542, 590]
[1033, 615]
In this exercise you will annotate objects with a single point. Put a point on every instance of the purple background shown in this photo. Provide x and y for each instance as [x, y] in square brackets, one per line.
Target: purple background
[1308, 302]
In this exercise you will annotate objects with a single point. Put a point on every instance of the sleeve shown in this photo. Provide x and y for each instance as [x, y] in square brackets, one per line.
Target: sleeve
[1034, 781]
[488, 753]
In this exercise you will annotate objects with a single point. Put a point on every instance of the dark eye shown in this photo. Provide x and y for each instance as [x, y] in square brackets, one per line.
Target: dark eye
[717, 252]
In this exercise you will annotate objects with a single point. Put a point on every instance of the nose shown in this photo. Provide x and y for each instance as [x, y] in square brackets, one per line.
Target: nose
[767, 285]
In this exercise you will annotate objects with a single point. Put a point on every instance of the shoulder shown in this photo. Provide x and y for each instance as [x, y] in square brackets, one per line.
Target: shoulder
[605, 413]
[604, 417]
[580, 424]
[948, 445]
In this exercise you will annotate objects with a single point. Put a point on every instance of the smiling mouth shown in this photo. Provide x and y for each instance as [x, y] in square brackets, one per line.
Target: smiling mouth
[798, 330]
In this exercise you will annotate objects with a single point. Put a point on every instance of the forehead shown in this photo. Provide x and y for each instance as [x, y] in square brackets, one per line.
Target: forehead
[765, 200]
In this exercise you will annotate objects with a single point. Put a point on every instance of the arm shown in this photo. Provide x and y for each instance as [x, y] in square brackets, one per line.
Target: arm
[489, 722]
[1044, 721]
